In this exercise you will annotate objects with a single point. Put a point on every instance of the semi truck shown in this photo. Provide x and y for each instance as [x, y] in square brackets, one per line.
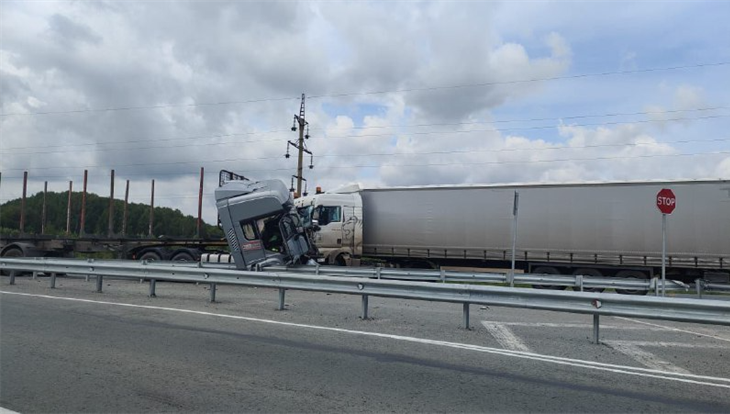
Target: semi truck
[597, 229]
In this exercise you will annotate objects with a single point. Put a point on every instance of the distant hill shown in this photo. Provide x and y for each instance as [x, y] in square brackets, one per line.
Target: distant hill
[167, 222]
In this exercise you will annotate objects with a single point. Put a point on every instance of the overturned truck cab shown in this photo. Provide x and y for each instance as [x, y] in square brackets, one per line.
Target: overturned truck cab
[261, 224]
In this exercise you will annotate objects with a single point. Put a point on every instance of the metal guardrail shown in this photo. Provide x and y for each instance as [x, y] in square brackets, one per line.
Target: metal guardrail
[597, 304]
[577, 282]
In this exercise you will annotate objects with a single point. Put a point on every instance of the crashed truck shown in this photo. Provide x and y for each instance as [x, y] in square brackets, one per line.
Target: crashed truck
[262, 226]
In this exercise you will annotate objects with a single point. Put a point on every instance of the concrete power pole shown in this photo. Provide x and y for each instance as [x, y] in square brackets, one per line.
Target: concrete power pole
[301, 122]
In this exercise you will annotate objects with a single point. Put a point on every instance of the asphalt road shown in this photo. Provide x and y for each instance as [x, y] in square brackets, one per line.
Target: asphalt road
[73, 350]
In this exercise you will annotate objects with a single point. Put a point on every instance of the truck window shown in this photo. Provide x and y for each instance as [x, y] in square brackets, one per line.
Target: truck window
[328, 214]
[249, 232]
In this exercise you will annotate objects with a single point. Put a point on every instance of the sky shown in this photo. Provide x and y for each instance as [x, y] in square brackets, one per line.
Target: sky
[397, 93]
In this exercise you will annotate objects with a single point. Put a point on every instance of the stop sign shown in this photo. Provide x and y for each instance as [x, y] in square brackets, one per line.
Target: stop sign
[666, 201]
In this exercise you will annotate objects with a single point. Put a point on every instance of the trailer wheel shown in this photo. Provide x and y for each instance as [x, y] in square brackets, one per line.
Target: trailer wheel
[183, 257]
[632, 274]
[550, 271]
[588, 272]
[12, 252]
[150, 256]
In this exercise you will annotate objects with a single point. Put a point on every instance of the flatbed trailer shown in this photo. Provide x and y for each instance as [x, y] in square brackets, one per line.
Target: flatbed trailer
[161, 248]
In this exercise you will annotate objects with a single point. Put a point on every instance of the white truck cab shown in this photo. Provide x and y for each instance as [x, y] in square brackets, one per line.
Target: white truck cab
[338, 214]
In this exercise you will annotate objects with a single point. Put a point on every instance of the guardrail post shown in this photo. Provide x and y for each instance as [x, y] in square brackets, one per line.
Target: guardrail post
[655, 281]
[99, 282]
[35, 275]
[53, 280]
[282, 295]
[12, 277]
[579, 281]
[698, 285]
[212, 292]
[153, 285]
[466, 316]
[377, 271]
[442, 273]
[364, 307]
[596, 339]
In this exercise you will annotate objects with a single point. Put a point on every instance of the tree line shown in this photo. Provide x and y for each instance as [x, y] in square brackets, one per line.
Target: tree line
[166, 221]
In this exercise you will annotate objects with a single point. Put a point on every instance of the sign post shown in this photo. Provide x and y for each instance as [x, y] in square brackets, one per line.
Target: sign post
[666, 202]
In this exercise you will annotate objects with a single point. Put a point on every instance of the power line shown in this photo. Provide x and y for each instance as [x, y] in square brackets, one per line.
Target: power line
[418, 133]
[348, 94]
[222, 161]
[585, 75]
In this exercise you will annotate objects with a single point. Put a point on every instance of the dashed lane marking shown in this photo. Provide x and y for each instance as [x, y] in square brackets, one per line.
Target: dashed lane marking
[718, 382]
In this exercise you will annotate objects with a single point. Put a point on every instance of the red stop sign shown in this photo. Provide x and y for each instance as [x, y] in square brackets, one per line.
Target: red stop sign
[666, 201]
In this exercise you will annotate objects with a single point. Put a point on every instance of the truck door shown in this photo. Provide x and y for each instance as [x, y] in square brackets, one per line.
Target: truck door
[330, 223]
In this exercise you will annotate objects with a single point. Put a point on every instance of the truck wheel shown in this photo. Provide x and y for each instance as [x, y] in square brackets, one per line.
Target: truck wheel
[183, 257]
[150, 256]
[550, 271]
[340, 260]
[588, 272]
[632, 274]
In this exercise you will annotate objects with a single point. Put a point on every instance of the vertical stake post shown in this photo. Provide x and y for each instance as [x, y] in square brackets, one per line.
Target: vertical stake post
[152, 208]
[153, 286]
[213, 287]
[68, 208]
[22, 202]
[83, 205]
[125, 212]
[43, 212]
[200, 203]
[12, 277]
[110, 230]
[53, 280]
[99, 282]
[596, 339]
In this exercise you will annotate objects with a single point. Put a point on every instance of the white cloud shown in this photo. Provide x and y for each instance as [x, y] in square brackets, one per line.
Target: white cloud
[451, 76]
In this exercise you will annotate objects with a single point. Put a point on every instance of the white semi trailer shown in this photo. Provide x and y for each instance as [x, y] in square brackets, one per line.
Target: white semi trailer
[601, 229]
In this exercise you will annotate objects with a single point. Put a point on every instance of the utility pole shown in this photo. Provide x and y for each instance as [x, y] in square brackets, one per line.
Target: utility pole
[301, 122]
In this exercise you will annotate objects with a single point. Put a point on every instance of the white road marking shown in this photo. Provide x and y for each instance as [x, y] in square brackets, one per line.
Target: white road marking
[505, 337]
[6, 411]
[575, 325]
[669, 328]
[644, 357]
[618, 369]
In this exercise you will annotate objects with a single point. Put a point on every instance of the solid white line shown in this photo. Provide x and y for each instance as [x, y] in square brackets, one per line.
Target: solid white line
[505, 337]
[669, 328]
[619, 369]
[670, 344]
[644, 357]
[6, 411]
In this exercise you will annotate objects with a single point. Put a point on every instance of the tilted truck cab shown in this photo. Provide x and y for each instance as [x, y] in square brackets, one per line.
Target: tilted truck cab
[261, 224]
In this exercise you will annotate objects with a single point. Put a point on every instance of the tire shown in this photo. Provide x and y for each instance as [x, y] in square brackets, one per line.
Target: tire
[632, 274]
[183, 257]
[588, 272]
[13, 253]
[340, 260]
[150, 256]
[550, 271]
